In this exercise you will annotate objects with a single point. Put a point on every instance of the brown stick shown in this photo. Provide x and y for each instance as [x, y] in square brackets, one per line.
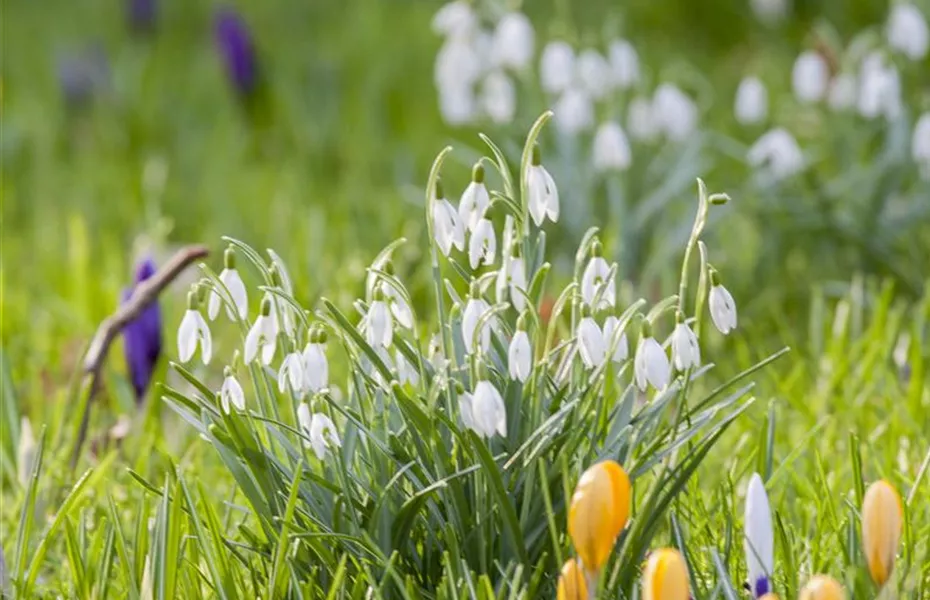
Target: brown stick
[143, 294]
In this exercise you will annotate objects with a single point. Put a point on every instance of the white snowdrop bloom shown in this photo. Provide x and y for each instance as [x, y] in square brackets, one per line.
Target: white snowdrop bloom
[455, 19]
[474, 309]
[25, 452]
[316, 366]
[879, 88]
[457, 104]
[499, 97]
[434, 352]
[650, 365]
[810, 77]
[458, 63]
[282, 313]
[514, 42]
[641, 122]
[465, 410]
[907, 30]
[611, 148]
[594, 281]
[379, 323]
[557, 67]
[722, 306]
[291, 374]
[594, 73]
[675, 113]
[621, 350]
[448, 228]
[230, 278]
[320, 429]
[685, 348]
[511, 280]
[843, 92]
[262, 336]
[776, 154]
[624, 64]
[520, 356]
[488, 414]
[231, 394]
[475, 199]
[752, 101]
[192, 332]
[574, 111]
[482, 246]
[920, 144]
[399, 307]
[406, 372]
[543, 194]
[591, 345]
[759, 539]
[769, 11]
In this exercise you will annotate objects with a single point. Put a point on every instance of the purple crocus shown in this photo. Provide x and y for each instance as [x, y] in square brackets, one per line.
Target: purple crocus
[142, 337]
[234, 44]
[141, 15]
[83, 75]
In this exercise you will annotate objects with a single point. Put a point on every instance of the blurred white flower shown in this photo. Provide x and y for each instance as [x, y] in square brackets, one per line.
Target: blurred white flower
[591, 345]
[457, 104]
[810, 77]
[520, 356]
[879, 88]
[398, 305]
[674, 112]
[722, 308]
[776, 154]
[379, 323]
[499, 97]
[514, 41]
[261, 336]
[406, 372]
[230, 278]
[574, 111]
[621, 350]
[458, 63]
[611, 148]
[907, 30]
[488, 414]
[843, 92]
[475, 199]
[920, 144]
[759, 540]
[641, 123]
[455, 19]
[231, 393]
[291, 374]
[511, 281]
[650, 365]
[483, 244]
[448, 228]
[25, 452]
[192, 332]
[557, 67]
[752, 101]
[685, 348]
[594, 73]
[769, 11]
[434, 353]
[594, 281]
[465, 410]
[624, 64]
[316, 366]
[474, 309]
[320, 429]
[543, 194]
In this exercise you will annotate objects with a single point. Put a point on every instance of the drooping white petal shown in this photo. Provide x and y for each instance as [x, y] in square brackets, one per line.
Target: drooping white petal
[457, 104]
[675, 113]
[499, 97]
[233, 282]
[483, 244]
[474, 203]
[594, 73]
[651, 365]
[231, 394]
[551, 195]
[752, 101]
[759, 540]
[594, 281]
[621, 350]
[810, 77]
[574, 111]
[513, 42]
[406, 372]
[518, 282]
[685, 348]
[722, 309]
[291, 374]
[520, 356]
[769, 11]
[907, 30]
[474, 309]
[611, 149]
[879, 88]
[187, 335]
[465, 411]
[624, 64]
[316, 367]
[488, 412]
[641, 121]
[920, 144]
[261, 338]
[591, 344]
[303, 420]
[379, 325]
[455, 19]
[323, 435]
[776, 155]
[557, 67]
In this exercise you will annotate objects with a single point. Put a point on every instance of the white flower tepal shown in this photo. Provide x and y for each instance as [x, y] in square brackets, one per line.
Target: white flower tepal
[920, 144]
[621, 350]
[776, 154]
[262, 336]
[194, 332]
[482, 246]
[474, 309]
[543, 194]
[379, 323]
[557, 67]
[769, 11]
[316, 366]
[594, 74]
[455, 19]
[611, 148]
[231, 393]
[488, 414]
[448, 229]
[475, 199]
[722, 306]
[598, 289]
[457, 104]
[674, 112]
[685, 348]
[810, 77]
[650, 365]
[879, 88]
[499, 97]
[513, 42]
[907, 30]
[624, 64]
[752, 101]
[320, 429]
[574, 111]
[759, 540]
[520, 356]
[843, 92]
[230, 278]
[291, 374]
[641, 121]
[591, 345]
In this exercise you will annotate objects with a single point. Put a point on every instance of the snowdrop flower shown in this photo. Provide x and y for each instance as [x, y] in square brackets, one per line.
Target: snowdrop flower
[193, 332]
[466, 401]
[379, 323]
[557, 67]
[624, 64]
[455, 19]
[458, 64]
[394, 297]
[316, 366]
[282, 313]
[907, 31]
[843, 92]
[291, 374]
[879, 88]
[752, 101]
[675, 113]
[513, 42]
[511, 279]
[231, 393]
[641, 122]
[483, 244]
[457, 104]
[611, 148]
[685, 348]
[759, 539]
[650, 365]
[776, 154]
[488, 414]
[475, 199]
[594, 73]
[434, 352]
[230, 278]
[920, 144]
[448, 228]
[520, 356]
[621, 350]
[574, 111]
[591, 343]
[543, 195]
[769, 11]
[320, 429]
[261, 336]
[474, 309]
[406, 372]
[722, 306]
[25, 452]
[881, 529]
[810, 76]
[499, 97]
[594, 281]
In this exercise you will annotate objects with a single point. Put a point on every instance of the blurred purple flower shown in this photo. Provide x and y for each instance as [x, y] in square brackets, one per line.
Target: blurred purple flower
[236, 49]
[142, 14]
[82, 75]
[142, 337]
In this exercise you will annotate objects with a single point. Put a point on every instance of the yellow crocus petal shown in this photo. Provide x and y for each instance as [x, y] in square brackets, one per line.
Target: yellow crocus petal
[599, 510]
[572, 585]
[882, 518]
[769, 596]
[666, 576]
[823, 587]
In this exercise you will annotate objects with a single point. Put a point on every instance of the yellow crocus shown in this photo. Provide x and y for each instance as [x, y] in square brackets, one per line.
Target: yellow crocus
[769, 596]
[666, 576]
[599, 511]
[882, 517]
[823, 587]
[572, 584]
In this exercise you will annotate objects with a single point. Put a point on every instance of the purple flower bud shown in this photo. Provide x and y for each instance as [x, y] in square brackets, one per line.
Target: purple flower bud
[142, 337]
[234, 44]
[141, 14]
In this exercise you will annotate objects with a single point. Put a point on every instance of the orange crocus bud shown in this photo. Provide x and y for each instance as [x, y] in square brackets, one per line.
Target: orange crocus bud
[572, 584]
[882, 517]
[666, 576]
[599, 510]
[823, 587]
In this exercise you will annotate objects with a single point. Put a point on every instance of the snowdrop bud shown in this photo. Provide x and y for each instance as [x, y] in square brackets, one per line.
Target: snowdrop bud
[759, 538]
[822, 587]
[231, 393]
[752, 102]
[722, 306]
[920, 144]
[599, 510]
[455, 19]
[624, 64]
[543, 194]
[675, 113]
[843, 91]
[810, 77]
[650, 365]
[666, 576]
[193, 332]
[907, 30]
[379, 323]
[879, 88]
[489, 416]
[557, 67]
[621, 351]
[611, 148]
[572, 583]
[769, 11]
[591, 345]
[262, 336]
[448, 228]
[594, 73]
[776, 154]
[595, 286]
[520, 356]
[475, 199]
[881, 529]
[230, 278]
[513, 42]
[574, 111]
[25, 452]
[641, 122]
[499, 97]
[685, 348]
